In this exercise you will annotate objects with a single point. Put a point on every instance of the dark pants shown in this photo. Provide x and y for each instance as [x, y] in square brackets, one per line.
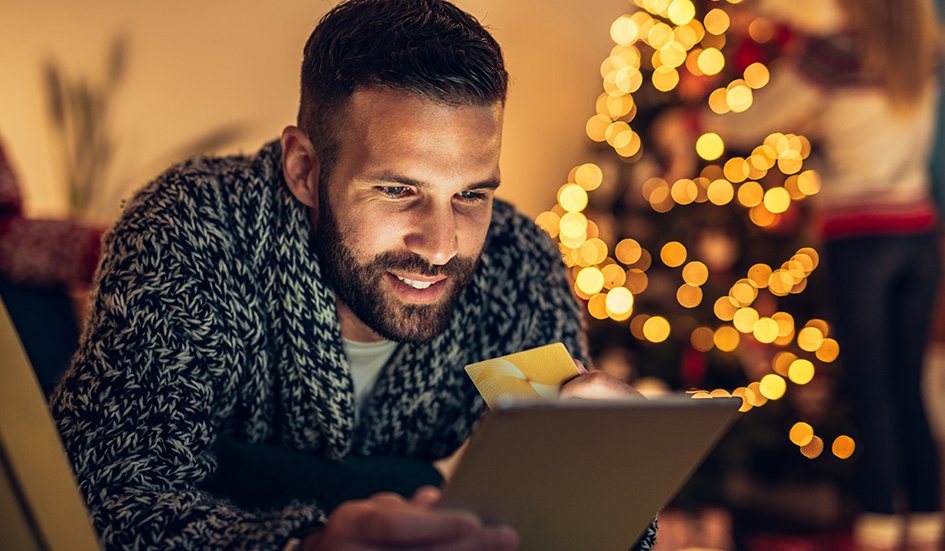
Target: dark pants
[884, 291]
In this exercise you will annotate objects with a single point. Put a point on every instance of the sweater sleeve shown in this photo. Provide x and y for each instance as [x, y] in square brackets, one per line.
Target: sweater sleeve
[136, 411]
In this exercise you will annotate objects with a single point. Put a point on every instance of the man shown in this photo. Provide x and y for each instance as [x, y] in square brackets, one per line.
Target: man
[321, 296]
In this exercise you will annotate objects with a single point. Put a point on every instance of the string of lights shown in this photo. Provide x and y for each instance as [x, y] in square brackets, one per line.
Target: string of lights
[659, 41]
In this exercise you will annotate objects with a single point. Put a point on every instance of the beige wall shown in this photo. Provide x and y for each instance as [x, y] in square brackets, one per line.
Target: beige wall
[195, 65]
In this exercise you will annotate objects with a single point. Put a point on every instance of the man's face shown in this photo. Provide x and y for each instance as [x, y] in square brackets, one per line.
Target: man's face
[405, 211]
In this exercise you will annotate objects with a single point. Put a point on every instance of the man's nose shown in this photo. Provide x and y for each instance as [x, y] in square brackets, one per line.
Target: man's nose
[434, 236]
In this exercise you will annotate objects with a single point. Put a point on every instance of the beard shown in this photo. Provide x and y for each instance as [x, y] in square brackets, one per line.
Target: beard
[360, 284]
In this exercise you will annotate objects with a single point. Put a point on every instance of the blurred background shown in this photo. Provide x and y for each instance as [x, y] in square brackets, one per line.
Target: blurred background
[686, 155]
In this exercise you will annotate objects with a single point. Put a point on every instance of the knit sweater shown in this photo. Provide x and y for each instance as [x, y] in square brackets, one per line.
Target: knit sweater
[211, 318]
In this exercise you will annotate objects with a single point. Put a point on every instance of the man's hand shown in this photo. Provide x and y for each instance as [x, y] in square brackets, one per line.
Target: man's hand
[388, 521]
[596, 385]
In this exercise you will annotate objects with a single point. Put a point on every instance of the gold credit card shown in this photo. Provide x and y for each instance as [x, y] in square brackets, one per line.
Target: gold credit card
[535, 373]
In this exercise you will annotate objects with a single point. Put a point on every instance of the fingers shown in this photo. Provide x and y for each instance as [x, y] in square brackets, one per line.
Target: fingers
[596, 385]
[579, 365]
[389, 519]
[426, 496]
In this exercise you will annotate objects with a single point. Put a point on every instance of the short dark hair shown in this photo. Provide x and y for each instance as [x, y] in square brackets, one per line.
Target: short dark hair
[425, 47]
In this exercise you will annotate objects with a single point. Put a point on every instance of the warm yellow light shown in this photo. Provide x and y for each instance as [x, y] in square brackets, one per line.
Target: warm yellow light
[628, 144]
[736, 170]
[759, 274]
[777, 200]
[550, 222]
[753, 393]
[596, 127]
[681, 12]
[790, 164]
[761, 216]
[742, 392]
[659, 35]
[619, 300]
[572, 197]
[745, 319]
[766, 331]
[695, 273]
[772, 386]
[710, 146]
[757, 75]
[726, 339]
[574, 225]
[801, 433]
[686, 36]
[809, 339]
[716, 21]
[744, 292]
[739, 97]
[785, 323]
[782, 362]
[656, 329]
[808, 182]
[701, 339]
[624, 30]
[843, 446]
[761, 30]
[684, 191]
[665, 78]
[673, 254]
[718, 99]
[711, 61]
[594, 251]
[614, 276]
[814, 448]
[597, 306]
[801, 371]
[590, 280]
[626, 80]
[810, 253]
[615, 106]
[720, 192]
[589, 176]
[725, 308]
[828, 351]
[750, 194]
[614, 129]
[628, 251]
[689, 296]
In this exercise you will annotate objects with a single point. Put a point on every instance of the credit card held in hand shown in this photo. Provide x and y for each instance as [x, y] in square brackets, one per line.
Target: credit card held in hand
[535, 373]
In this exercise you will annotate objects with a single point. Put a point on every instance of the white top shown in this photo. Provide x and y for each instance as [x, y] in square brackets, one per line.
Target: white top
[366, 359]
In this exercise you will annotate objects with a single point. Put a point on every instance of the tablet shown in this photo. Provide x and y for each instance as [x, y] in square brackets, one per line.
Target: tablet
[584, 474]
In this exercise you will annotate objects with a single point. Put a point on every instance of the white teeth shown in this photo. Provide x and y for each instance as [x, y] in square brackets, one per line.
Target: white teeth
[416, 284]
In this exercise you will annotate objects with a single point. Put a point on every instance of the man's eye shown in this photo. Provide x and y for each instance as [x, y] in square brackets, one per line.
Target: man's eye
[394, 192]
[472, 196]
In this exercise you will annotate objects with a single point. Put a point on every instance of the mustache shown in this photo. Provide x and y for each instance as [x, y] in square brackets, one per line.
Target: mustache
[457, 267]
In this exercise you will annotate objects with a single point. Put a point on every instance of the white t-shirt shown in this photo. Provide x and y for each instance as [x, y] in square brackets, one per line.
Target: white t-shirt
[366, 360]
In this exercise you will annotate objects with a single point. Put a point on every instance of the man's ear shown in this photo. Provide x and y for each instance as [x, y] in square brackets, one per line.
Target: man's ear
[300, 166]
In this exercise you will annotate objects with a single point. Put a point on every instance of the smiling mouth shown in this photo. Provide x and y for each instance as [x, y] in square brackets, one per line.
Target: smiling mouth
[414, 283]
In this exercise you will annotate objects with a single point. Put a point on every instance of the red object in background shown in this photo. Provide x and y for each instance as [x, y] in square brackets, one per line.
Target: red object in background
[693, 368]
[43, 252]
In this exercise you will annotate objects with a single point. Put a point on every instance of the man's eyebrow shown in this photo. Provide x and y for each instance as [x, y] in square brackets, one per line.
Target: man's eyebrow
[392, 178]
[485, 184]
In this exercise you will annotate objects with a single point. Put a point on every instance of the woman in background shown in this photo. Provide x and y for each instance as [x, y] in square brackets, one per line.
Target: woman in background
[861, 85]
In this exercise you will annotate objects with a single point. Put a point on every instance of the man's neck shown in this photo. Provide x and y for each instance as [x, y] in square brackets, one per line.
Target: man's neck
[352, 328]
